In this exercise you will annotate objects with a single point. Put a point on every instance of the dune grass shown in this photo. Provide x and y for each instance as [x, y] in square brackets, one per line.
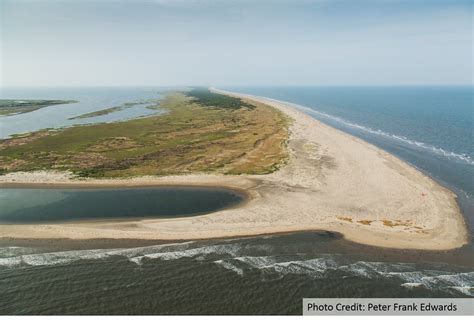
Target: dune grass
[191, 137]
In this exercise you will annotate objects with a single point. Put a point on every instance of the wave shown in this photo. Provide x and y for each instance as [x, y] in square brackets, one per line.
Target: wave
[229, 266]
[225, 249]
[15, 251]
[462, 282]
[232, 256]
[460, 157]
[407, 273]
[170, 251]
[66, 257]
[313, 267]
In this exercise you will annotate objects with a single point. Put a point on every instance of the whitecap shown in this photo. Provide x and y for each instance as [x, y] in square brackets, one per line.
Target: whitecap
[227, 249]
[461, 157]
[229, 266]
[312, 267]
[64, 257]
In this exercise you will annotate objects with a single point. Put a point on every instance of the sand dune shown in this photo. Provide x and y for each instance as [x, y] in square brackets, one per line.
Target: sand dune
[333, 181]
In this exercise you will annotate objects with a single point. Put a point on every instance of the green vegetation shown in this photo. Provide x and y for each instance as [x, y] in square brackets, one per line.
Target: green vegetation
[108, 110]
[190, 137]
[97, 113]
[10, 107]
[210, 99]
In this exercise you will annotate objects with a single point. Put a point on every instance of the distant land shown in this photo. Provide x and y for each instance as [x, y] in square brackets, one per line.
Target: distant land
[10, 107]
[110, 110]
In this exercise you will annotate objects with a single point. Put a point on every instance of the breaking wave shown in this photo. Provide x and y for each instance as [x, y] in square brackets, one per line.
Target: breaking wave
[463, 158]
[321, 267]
[233, 256]
[170, 251]
[65, 257]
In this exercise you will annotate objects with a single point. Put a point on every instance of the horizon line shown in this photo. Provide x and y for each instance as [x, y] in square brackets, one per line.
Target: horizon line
[236, 86]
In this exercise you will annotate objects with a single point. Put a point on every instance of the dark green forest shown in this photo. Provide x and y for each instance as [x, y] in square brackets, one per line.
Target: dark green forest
[210, 99]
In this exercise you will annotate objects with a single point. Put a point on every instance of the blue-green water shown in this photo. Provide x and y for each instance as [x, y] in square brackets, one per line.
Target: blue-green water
[21, 205]
[432, 128]
[89, 100]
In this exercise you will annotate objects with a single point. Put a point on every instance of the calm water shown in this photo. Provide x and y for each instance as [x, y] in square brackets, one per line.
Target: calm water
[89, 100]
[56, 205]
[432, 128]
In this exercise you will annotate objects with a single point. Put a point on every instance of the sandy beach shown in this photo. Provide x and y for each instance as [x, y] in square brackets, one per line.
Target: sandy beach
[332, 181]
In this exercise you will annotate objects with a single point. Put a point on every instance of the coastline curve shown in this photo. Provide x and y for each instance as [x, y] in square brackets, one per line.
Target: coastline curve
[332, 181]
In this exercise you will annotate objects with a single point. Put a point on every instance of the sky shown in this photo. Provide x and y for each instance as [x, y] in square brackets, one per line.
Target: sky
[235, 43]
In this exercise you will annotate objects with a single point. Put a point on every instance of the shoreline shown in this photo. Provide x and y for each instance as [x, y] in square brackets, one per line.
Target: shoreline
[461, 255]
[332, 182]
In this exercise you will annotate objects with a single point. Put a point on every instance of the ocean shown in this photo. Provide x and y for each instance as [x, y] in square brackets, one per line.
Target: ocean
[429, 127]
[432, 128]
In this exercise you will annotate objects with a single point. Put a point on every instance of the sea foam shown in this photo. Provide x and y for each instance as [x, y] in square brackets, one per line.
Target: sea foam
[407, 273]
[462, 158]
[234, 256]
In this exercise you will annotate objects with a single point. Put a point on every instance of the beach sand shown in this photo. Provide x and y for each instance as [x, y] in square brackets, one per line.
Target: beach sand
[332, 181]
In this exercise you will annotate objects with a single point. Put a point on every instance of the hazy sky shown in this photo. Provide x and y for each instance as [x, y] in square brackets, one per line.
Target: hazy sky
[294, 42]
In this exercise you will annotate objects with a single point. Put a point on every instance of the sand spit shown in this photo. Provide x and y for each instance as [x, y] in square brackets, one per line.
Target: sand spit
[332, 181]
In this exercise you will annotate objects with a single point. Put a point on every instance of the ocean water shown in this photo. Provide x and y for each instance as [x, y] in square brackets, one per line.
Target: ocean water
[260, 275]
[431, 128]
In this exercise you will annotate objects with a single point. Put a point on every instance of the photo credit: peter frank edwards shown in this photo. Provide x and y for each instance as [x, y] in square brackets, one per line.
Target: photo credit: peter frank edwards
[405, 306]
[236, 158]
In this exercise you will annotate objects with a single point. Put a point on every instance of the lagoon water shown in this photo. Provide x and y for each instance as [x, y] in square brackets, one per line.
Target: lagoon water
[431, 128]
[50, 205]
[89, 100]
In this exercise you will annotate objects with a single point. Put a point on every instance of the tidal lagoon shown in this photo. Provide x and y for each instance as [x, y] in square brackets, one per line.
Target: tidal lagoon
[50, 205]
